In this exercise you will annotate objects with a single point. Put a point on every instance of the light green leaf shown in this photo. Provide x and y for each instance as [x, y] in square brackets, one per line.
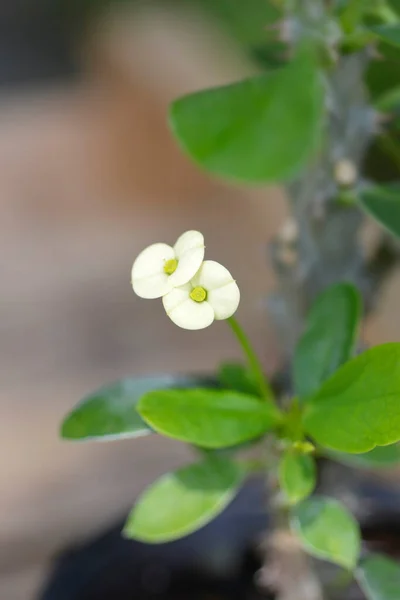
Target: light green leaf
[237, 377]
[259, 130]
[111, 412]
[383, 203]
[329, 337]
[297, 476]
[358, 408]
[389, 100]
[207, 418]
[182, 502]
[380, 457]
[379, 578]
[390, 34]
[327, 530]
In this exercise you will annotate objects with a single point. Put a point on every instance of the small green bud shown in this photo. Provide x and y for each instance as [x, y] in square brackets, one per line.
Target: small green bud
[304, 447]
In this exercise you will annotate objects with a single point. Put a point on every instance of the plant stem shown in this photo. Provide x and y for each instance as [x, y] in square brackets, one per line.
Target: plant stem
[252, 358]
[287, 569]
[325, 248]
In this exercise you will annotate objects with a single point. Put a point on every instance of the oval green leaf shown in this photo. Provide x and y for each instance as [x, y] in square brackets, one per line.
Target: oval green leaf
[297, 476]
[390, 34]
[182, 502]
[327, 530]
[260, 130]
[111, 412]
[207, 418]
[379, 578]
[329, 337]
[383, 204]
[381, 457]
[236, 376]
[358, 408]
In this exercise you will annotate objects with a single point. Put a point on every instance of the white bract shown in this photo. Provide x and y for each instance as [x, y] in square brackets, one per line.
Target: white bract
[160, 267]
[211, 294]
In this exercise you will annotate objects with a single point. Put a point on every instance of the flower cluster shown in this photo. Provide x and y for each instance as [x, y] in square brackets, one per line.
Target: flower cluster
[194, 291]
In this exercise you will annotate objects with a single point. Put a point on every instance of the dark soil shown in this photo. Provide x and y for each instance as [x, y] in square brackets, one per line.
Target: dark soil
[216, 563]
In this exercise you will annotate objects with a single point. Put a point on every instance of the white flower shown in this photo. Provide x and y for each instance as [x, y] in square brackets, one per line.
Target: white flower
[160, 268]
[211, 294]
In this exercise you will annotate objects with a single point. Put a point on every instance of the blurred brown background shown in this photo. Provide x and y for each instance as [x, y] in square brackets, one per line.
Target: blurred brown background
[89, 175]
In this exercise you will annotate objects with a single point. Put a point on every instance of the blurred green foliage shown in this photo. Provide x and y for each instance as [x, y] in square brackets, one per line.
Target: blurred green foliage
[246, 21]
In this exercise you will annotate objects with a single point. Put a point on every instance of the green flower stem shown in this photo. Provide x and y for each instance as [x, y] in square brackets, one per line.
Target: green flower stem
[254, 363]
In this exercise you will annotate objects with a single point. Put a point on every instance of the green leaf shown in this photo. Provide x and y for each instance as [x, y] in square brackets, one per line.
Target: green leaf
[380, 457]
[329, 337]
[383, 203]
[379, 578]
[297, 476]
[388, 101]
[207, 418]
[390, 34]
[259, 130]
[358, 408]
[395, 5]
[382, 74]
[111, 412]
[246, 22]
[182, 502]
[237, 377]
[351, 15]
[327, 530]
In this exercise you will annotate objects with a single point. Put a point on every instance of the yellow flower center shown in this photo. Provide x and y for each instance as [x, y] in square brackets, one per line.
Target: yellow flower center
[198, 294]
[170, 266]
